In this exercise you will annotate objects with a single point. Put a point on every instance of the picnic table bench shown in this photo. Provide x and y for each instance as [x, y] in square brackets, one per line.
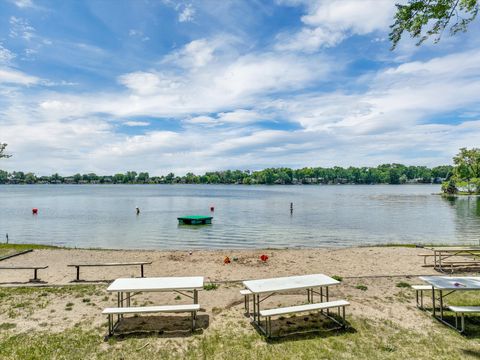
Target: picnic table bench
[136, 263]
[191, 308]
[34, 268]
[269, 287]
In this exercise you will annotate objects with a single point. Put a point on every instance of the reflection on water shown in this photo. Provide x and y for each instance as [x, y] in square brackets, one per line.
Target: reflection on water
[467, 215]
[244, 217]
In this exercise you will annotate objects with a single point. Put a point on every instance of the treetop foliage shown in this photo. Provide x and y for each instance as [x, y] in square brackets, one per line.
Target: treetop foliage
[425, 18]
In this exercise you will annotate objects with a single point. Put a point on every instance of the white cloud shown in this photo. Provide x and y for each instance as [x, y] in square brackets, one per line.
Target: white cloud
[187, 14]
[6, 56]
[11, 76]
[135, 33]
[143, 83]
[195, 54]
[136, 123]
[24, 3]
[328, 22]
[21, 28]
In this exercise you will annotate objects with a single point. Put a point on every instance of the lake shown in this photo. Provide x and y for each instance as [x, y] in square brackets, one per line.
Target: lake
[244, 217]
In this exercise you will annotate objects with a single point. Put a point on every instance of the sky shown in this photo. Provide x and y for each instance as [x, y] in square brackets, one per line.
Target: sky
[193, 86]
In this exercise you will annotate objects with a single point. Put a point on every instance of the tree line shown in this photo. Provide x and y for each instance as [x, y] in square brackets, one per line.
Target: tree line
[382, 174]
[465, 175]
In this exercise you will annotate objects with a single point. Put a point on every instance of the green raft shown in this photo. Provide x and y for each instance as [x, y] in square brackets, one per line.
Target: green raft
[195, 220]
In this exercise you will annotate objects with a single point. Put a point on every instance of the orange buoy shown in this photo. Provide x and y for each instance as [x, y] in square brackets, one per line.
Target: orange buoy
[34, 211]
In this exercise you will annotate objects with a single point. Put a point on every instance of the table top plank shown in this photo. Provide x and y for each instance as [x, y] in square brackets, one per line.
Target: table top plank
[453, 283]
[289, 283]
[156, 284]
[455, 249]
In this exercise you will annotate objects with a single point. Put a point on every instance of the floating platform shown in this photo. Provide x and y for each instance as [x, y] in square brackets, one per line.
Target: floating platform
[195, 220]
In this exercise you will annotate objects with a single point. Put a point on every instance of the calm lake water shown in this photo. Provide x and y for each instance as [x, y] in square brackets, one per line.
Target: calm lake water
[245, 216]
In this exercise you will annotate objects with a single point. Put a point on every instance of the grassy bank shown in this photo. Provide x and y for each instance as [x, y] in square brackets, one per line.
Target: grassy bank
[228, 336]
[9, 249]
[367, 340]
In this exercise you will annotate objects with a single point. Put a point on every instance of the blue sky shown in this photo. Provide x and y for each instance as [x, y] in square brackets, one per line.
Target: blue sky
[111, 86]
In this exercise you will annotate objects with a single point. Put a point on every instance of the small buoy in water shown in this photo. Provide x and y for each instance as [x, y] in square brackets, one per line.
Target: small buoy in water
[137, 209]
[212, 209]
[34, 211]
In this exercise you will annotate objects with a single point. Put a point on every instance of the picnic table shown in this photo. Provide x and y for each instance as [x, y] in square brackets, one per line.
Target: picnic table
[440, 254]
[270, 287]
[126, 288]
[446, 285]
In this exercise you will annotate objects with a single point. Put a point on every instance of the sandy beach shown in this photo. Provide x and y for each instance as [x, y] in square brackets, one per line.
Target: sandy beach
[378, 268]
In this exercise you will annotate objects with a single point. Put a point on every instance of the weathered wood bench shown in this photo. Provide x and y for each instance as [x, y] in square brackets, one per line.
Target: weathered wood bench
[34, 268]
[462, 310]
[339, 304]
[138, 263]
[419, 289]
[460, 264]
[191, 308]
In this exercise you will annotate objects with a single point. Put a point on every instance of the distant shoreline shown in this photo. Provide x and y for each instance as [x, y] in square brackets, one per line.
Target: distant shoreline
[229, 184]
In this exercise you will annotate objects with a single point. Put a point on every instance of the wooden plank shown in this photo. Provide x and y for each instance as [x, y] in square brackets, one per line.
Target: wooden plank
[22, 267]
[15, 254]
[113, 264]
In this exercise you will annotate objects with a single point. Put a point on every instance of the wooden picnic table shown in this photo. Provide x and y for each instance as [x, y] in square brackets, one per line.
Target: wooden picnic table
[441, 253]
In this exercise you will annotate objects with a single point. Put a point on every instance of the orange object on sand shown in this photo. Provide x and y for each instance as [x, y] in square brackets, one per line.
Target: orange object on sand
[264, 258]
[226, 260]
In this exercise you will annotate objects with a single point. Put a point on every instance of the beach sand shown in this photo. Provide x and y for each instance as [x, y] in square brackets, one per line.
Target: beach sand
[380, 269]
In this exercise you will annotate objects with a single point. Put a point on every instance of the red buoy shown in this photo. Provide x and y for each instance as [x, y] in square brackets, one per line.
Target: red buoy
[34, 211]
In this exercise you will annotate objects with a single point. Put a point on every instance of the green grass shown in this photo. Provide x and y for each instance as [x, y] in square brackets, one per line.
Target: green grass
[361, 287]
[337, 277]
[403, 284]
[210, 286]
[9, 249]
[366, 340]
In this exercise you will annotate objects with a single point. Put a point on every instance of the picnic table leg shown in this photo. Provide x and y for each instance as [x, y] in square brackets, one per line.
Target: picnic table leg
[35, 278]
[78, 273]
[118, 305]
[128, 299]
[258, 309]
[195, 296]
[141, 267]
[441, 304]
[326, 290]
[433, 301]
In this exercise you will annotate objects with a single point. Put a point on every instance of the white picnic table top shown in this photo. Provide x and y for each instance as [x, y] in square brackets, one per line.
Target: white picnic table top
[156, 284]
[453, 283]
[289, 283]
[454, 248]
